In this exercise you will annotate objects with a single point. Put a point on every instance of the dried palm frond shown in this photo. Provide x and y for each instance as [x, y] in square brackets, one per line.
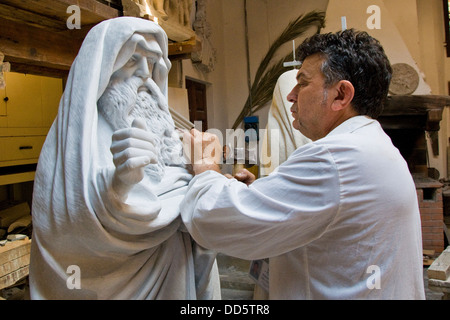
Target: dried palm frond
[265, 81]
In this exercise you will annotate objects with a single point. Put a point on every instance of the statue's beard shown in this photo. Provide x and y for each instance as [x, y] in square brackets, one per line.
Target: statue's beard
[122, 102]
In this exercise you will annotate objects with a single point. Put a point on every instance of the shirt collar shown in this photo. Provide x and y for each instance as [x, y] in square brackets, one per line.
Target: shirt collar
[351, 125]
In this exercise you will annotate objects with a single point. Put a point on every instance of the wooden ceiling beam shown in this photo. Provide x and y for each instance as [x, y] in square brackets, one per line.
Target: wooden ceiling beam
[21, 67]
[92, 11]
[34, 36]
[31, 18]
[30, 45]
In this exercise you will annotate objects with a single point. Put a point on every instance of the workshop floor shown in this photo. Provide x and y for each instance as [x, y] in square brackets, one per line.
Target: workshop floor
[236, 285]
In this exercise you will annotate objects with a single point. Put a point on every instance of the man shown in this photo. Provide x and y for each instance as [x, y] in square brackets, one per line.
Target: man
[339, 219]
[110, 180]
[277, 147]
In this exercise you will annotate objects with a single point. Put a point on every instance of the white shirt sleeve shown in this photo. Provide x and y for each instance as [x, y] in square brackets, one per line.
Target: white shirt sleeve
[276, 214]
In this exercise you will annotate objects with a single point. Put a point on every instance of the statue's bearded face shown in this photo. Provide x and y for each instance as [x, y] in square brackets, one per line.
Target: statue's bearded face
[135, 97]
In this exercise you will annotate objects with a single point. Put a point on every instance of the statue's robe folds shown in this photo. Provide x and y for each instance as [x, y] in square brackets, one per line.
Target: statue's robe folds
[87, 243]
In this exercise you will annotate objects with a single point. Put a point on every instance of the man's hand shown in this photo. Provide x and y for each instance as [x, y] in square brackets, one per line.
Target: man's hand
[202, 150]
[244, 176]
[133, 149]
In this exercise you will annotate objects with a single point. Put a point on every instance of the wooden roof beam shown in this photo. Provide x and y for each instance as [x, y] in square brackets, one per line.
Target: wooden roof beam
[29, 45]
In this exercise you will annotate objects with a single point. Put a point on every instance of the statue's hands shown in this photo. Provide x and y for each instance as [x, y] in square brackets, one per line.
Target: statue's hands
[133, 149]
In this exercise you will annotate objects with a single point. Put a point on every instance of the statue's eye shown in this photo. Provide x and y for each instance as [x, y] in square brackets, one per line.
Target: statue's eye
[133, 59]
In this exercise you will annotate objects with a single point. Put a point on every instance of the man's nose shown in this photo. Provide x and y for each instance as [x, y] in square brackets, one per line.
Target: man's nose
[292, 96]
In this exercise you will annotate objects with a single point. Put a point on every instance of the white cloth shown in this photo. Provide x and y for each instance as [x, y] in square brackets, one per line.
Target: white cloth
[280, 138]
[336, 208]
[133, 250]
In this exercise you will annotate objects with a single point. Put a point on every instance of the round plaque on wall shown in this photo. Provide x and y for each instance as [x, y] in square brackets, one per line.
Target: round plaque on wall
[405, 79]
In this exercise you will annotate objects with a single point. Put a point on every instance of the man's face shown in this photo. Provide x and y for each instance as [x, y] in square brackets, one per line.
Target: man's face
[310, 99]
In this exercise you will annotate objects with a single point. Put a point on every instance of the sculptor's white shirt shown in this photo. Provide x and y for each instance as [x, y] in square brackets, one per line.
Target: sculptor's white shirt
[339, 219]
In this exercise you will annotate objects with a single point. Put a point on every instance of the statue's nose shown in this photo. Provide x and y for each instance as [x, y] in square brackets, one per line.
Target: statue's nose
[143, 70]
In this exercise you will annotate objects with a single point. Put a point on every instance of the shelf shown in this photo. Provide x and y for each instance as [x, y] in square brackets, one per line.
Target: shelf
[182, 50]
[16, 178]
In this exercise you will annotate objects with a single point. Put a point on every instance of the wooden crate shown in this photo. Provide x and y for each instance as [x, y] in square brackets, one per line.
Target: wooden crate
[439, 274]
[14, 262]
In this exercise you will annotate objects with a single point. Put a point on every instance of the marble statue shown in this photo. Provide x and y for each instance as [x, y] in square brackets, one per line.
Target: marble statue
[110, 179]
[158, 6]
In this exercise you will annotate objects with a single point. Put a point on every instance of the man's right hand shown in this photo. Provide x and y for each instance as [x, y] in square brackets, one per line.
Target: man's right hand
[203, 150]
[244, 176]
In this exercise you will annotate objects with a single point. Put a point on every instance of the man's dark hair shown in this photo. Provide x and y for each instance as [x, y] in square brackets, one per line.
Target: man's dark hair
[356, 57]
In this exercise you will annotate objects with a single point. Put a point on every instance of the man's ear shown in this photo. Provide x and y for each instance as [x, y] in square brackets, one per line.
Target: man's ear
[344, 95]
